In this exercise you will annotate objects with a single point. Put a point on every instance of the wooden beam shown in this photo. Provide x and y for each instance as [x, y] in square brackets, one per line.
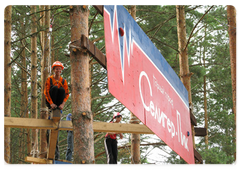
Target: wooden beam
[198, 157]
[55, 115]
[192, 118]
[99, 8]
[84, 44]
[52, 144]
[31, 123]
[200, 131]
[38, 160]
[96, 53]
[121, 128]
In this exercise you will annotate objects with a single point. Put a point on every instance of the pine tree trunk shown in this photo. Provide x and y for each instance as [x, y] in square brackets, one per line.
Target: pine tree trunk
[7, 78]
[205, 110]
[52, 47]
[45, 74]
[42, 21]
[24, 92]
[185, 75]
[81, 103]
[135, 138]
[231, 14]
[205, 93]
[34, 103]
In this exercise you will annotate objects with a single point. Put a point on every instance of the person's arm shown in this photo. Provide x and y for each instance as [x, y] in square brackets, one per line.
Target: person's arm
[61, 105]
[65, 86]
[46, 91]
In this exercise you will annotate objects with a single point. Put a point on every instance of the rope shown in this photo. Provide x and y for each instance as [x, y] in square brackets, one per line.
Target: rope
[43, 109]
[35, 153]
[130, 154]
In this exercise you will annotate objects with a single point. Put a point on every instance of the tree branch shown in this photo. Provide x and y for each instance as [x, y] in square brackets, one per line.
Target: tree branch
[196, 26]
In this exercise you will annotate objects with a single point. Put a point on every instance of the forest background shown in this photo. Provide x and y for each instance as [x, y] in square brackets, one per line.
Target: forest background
[209, 61]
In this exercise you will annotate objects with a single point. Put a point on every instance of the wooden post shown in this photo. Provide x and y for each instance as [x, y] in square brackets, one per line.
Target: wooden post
[135, 138]
[205, 92]
[45, 74]
[24, 91]
[7, 78]
[231, 14]
[53, 135]
[34, 103]
[185, 75]
[81, 103]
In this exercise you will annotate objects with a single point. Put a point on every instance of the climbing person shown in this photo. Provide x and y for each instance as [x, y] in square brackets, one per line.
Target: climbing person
[56, 94]
[110, 142]
[56, 88]
[69, 140]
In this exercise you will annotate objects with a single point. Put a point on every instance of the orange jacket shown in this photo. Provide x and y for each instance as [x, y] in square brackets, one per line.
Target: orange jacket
[58, 84]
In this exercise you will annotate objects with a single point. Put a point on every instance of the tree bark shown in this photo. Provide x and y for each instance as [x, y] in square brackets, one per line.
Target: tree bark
[7, 78]
[81, 103]
[24, 100]
[205, 93]
[34, 103]
[42, 21]
[45, 74]
[231, 14]
[185, 75]
[135, 138]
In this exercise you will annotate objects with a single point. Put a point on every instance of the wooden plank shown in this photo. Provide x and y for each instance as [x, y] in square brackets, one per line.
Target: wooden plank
[99, 8]
[85, 44]
[121, 128]
[38, 160]
[55, 115]
[96, 53]
[52, 144]
[53, 135]
[30, 123]
[67, 125]
[193, 119]
[200, 131]
[198, 157]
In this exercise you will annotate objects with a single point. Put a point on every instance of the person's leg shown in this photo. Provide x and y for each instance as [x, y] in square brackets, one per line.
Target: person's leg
[60, 96]
[70, 146]
[54, 94]
[114, 151]
[108, 149]
[71, 143]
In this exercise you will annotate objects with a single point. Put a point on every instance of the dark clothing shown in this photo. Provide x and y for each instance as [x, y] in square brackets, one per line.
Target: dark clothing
[57, 95]
[70, 146]
[111, 150]
[56, 91]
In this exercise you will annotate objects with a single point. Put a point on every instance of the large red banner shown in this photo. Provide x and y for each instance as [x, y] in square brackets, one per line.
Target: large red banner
[141, 79]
